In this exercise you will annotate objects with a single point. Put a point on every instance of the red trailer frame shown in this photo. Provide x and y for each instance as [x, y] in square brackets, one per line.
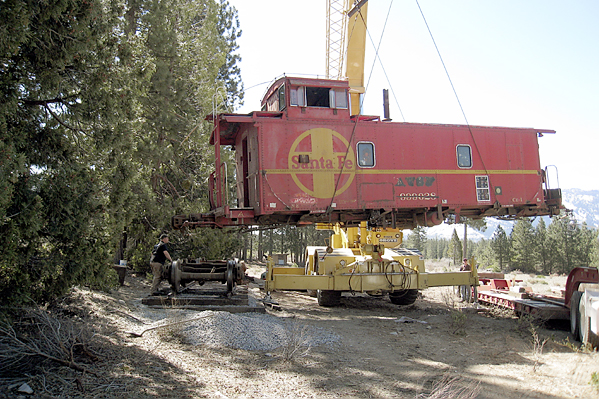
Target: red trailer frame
[495, 291]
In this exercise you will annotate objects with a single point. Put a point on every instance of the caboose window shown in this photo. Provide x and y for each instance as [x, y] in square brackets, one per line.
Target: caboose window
[317, 97]
[273, 103]
[338, 98]
[282, 97]
[482, 188]
[297, 97]
[464, 155]
[366, 155]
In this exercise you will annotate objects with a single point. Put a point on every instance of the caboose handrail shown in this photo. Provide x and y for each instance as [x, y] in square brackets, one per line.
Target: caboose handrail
[217, 185]
[224, 185]
[547, 185]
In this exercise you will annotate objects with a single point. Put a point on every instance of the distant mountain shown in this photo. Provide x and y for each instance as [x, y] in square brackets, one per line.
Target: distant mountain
[446, 230]
[583, 204]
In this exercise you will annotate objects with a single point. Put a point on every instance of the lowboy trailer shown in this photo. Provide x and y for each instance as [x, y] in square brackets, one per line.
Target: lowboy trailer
[579, 305]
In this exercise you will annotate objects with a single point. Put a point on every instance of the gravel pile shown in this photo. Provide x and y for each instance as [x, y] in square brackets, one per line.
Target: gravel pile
[255, 332]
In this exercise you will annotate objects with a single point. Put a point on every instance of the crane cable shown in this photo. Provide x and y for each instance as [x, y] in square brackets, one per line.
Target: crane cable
[330, 207]
[454, 91]
[376, 56]
[366, 90]
[329, 210]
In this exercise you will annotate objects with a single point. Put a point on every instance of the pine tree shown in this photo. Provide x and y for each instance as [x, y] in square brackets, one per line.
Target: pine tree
[501, 246]
[62, 117]
[561, 240]
[102, 130]
[485, 257]
[523, 246]
[189, 71]
[595, 250]
[417, 240]
[454, 249]
[543, 250]
[584, 241]
[477, 224]
[434, 248]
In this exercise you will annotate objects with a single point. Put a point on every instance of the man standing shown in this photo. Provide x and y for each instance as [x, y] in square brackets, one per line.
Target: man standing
[465, 290]
[159, 256]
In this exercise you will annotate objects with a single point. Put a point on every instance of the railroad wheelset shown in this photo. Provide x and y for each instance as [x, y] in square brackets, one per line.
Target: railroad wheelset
[184, 271]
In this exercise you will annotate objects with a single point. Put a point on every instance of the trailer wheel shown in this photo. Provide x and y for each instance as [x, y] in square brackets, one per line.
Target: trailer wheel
[584, 321]
[575, 315]
[586, 335]
[590, 338]
[328, 298]
[403, 297]
[585, 331]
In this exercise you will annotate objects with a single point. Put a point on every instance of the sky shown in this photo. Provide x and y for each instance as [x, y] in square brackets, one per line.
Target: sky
[513, 63]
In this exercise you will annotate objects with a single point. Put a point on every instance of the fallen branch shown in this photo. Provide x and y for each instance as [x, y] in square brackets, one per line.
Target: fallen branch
[128, 315]
[67, 363]
[42, 336]
[166, 325]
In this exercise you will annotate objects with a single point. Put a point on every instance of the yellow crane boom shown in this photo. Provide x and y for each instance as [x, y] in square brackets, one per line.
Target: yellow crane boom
[345, 25]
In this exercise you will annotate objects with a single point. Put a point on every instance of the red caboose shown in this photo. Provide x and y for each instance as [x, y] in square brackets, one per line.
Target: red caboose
[304, 159]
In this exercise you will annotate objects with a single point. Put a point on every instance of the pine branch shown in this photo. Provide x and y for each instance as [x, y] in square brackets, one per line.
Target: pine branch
[65, 125]
[56, 100]
[167, 181]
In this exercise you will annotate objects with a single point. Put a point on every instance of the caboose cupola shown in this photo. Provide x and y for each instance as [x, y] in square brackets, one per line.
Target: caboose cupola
[301, 98]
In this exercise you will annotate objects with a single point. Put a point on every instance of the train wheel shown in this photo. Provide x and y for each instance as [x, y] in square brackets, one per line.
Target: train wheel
[575, 315]
[328, 298]
[175, 279]
[403, 297]
[230, 276]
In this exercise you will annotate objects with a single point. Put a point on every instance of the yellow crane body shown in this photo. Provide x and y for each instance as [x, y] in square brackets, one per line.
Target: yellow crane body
[359, 259]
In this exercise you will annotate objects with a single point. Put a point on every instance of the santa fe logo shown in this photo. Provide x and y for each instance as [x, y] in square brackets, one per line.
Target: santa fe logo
[317, 159]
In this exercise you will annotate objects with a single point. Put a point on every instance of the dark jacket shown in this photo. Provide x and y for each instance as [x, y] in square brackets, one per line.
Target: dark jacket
[158, 253]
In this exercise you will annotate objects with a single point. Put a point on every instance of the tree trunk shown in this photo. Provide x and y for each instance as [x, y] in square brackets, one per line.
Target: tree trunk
[465, 251]
[120, 251]
[260, 250]
[244, 252]
[251, 245]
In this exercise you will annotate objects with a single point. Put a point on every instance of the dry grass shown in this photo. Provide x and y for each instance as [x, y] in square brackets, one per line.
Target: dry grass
[500, 312]
[171, 329]
[297, 342]
[595, 381]
[449, 297]
[370, 362]
[451, 387]
[529, 324]
[459, 319]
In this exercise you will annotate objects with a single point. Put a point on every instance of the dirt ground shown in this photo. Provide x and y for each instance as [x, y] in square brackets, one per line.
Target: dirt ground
[487, 353]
